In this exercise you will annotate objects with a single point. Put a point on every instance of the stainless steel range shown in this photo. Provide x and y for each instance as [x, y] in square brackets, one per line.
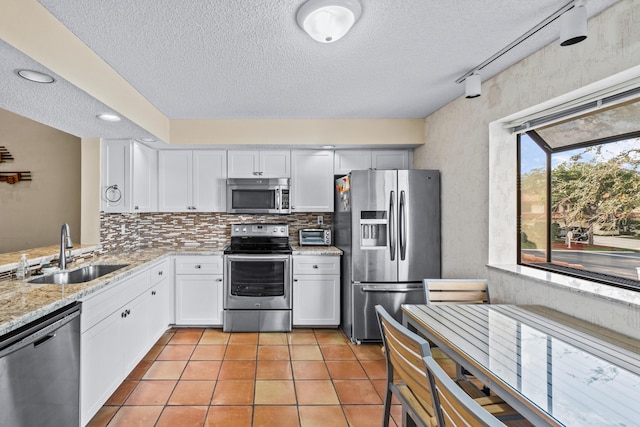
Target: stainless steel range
[258, 279]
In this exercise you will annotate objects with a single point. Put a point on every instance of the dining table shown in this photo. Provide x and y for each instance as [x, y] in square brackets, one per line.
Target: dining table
[554, 369]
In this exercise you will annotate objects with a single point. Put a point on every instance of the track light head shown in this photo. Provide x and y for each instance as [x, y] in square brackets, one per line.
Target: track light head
[573, 24]
[472, 86]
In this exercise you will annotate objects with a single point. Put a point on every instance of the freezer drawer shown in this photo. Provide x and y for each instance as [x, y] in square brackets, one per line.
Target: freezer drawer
[391, 296]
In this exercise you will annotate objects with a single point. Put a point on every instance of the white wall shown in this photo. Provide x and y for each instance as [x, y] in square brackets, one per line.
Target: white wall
[458, 144]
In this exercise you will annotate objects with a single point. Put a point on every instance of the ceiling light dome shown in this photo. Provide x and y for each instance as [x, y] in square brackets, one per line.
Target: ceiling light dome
[35, 76]
[109, 117]
[328, 21]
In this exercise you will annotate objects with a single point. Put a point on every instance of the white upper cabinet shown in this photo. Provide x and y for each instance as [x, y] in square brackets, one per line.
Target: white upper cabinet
[192, 181]
[349, 160]
[129, 180]
[311, 181]
[259, 164]
[115, 158]
[144, 178]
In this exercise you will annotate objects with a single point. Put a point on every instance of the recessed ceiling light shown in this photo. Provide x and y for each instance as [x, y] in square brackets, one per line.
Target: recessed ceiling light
[108, 117]
[35, 76]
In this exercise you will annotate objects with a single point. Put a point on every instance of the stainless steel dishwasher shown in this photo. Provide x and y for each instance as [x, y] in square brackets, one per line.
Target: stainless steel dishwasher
[40, 372]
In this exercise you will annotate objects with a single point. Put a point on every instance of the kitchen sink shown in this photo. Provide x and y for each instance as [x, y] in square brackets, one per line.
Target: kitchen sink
[80, 275]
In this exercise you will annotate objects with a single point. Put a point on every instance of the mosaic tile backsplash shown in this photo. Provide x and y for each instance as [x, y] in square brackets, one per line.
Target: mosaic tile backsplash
[144, 230]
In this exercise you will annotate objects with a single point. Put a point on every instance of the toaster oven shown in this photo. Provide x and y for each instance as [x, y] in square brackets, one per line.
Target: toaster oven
[315, 237]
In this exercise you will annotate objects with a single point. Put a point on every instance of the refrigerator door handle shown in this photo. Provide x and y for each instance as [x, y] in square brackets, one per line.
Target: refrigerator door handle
[402, 218]
[392, 224]
[394, 290]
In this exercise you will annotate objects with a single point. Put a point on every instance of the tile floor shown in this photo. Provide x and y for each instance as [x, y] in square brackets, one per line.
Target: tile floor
[206, 377]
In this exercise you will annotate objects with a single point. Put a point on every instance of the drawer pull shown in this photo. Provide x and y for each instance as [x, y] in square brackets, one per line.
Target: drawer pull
[218, 280]
[153, 292]
[198, 266]
[160, 273]
[315, 266]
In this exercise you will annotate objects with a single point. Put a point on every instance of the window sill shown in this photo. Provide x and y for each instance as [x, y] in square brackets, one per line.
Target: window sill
[600, 290]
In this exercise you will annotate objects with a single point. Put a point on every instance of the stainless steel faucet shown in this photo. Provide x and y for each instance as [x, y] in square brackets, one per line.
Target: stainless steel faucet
[65, 243]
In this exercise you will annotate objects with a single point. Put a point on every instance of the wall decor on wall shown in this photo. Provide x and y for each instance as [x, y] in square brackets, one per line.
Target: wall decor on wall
[11, 177]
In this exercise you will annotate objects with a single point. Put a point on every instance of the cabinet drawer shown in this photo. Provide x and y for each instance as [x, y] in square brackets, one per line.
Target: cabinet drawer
[159, 272]
[199, 265]
[316, 265]
[98, 307]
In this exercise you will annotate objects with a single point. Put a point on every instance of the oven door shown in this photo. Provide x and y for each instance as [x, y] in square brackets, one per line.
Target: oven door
[257, 282]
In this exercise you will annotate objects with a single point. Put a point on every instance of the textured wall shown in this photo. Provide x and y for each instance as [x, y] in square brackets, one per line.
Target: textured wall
[188, 229]
[479, 204]
[32, 212]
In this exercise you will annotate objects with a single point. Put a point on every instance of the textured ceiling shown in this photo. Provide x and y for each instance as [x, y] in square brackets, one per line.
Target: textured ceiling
[240, 59]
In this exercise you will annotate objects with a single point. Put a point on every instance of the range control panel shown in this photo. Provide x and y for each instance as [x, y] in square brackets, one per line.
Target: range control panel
[256, 230]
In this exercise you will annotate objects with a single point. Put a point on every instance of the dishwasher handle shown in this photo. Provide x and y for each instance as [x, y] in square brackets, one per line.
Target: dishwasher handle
[392, 290]
[39, 333]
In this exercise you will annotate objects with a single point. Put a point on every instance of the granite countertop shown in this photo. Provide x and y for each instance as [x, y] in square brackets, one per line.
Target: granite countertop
[22, 302]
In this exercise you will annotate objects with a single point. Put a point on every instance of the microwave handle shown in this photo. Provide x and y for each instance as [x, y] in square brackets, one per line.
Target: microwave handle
[278, 198]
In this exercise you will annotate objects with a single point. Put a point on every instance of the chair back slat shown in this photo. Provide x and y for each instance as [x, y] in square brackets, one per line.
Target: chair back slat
[454, 407]
[405, 351]
[456, 291]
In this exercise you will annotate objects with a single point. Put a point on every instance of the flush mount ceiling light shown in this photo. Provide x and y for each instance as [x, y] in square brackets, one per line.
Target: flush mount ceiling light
[147, 139]
[472, 86]
[573, 25]
[35, 76]
[108, 117]
[573, 32]
[327, 147]
[328, 21]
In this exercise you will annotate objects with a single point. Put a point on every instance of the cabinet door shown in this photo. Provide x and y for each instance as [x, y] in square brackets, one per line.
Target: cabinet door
[136, 319]
[316, 300]
[144, 178]
[209, 181]
[159, 309]
[312, 181]
[199, 300]
[243, 164]
[390, 159]
[275, 164]
[175, 181]
[101, 367]
[115, 157]
[351, 160]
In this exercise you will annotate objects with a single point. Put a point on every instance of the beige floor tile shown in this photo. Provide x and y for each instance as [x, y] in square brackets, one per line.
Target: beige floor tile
[272, 338]
[176, 352]
[186, 337]
[310, 370]
[244, 338]
[356, 392]
[316, 392]
[201, 370]
[229, 416]
[273, 352]
[151, 393]
[165, 370]
[139, 416]
[233, 393]
[330, 337]
[241, 352]
[345, 369]
[337, 352]
[275, 392]
[183, 416]
[303, 338]
[322, 416]
[192, 393]
[209, 352]
[214, 337]
[274, 370]
[375, 369]
[364, 415]
[305, 352]
[237, 370]
[270, 416]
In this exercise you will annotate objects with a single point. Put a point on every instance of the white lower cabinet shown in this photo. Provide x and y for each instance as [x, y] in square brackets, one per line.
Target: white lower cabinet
[118, 327]
[316, 290]
[199, 290]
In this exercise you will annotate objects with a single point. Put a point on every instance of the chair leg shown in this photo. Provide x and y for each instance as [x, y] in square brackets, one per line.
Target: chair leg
[387, 408]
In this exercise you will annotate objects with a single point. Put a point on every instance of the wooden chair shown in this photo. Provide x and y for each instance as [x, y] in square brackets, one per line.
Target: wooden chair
[456, 291]
[404, 352]
[453, 406]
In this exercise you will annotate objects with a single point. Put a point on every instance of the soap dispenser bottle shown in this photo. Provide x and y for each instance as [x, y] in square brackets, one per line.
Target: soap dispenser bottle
[22, 271]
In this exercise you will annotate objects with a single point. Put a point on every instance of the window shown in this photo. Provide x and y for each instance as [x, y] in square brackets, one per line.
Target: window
[579, 196]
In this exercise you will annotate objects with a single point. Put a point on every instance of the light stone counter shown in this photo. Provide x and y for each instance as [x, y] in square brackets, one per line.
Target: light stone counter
[315, 250]
[22, 302]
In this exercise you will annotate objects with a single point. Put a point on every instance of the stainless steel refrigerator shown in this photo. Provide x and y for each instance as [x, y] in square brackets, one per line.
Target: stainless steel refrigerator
[387, 223]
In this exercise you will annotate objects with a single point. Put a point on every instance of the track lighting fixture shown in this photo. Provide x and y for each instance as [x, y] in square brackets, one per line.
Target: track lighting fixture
[573, 24]
[472, 86]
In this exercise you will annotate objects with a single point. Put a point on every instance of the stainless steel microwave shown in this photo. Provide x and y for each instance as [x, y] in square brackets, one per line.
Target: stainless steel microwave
[258, 195]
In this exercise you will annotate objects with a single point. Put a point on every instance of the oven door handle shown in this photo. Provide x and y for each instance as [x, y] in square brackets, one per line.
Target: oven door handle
[258, 257]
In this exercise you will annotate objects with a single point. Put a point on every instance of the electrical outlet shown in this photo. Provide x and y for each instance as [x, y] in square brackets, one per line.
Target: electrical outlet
[123, 229]
[320, 220]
